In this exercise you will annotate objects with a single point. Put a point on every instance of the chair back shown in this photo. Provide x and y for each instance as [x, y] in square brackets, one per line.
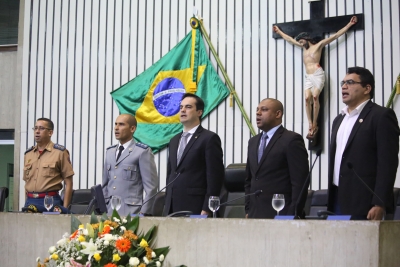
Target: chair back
[233, 188]
[3, 196]
[319, 201]
[158, 204]
[80, 201]
[396, 192]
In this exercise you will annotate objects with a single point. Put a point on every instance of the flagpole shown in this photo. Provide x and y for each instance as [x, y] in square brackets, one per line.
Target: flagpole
[227, 80]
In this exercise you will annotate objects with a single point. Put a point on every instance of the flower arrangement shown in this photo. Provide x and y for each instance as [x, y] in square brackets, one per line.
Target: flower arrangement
[109, 242]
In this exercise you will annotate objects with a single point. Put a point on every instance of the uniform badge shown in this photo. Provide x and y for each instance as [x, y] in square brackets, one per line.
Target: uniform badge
[57, 208]
[32, 208]
[360, 120]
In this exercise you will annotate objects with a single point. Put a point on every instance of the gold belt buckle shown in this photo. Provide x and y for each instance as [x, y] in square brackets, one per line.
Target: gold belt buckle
[35, 195]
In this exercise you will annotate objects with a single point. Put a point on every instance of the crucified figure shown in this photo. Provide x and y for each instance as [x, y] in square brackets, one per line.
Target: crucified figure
[315, 77]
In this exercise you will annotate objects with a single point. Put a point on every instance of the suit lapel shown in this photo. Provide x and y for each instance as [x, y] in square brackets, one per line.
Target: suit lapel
[193, 139]
[271, 143]
[173, 149]
[358, 123]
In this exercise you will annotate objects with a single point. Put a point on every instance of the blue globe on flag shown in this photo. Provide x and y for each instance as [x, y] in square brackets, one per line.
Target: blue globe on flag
[167, 96]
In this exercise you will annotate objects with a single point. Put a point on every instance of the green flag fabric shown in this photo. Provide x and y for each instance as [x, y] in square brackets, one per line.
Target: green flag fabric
[154, 96]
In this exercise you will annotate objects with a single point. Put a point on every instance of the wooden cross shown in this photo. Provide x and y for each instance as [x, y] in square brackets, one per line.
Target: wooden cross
[317, 26]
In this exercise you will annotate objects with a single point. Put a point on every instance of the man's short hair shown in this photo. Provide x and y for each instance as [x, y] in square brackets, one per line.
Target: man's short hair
[131, 119]
[50, 124]
[199, 102]
[366, 78]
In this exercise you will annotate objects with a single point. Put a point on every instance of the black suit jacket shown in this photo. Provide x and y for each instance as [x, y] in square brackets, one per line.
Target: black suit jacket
[283, 169]
[372, 148]
[202, 176]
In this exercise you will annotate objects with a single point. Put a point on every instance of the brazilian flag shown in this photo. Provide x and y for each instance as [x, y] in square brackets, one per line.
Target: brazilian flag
[154, 96]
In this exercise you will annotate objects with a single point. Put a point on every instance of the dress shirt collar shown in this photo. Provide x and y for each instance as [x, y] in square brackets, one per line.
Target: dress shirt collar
[356, 111]
[271, 132]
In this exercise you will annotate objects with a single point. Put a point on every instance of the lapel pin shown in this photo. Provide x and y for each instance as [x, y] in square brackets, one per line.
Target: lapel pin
[360, 120]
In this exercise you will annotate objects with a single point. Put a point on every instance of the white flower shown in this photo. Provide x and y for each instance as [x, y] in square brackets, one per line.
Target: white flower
[106, 243]
[37, 259]
[61, 242]
[124, 220]
[161, 257]
[116, 219]
[79, 258]
[52, 249]
[85, 232]
[108, 237]
[123, 229]
[133, 261]
[145, 260]
[158, 264]
[153, 254]
[90, 248]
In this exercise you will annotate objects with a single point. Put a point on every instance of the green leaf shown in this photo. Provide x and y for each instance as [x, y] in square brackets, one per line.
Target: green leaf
[90, 230]
[104, 217]
[149, 235]
[133, 225]
[160, 251]
[115, 215]
[93, 219]
[74, 223]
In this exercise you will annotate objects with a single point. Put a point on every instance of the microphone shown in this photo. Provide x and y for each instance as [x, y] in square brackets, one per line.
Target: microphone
[350, 165]
[257, 193]
[153, 196]
[305, 185]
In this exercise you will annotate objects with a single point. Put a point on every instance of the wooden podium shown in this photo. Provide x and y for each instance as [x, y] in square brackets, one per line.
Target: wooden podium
[225, 242]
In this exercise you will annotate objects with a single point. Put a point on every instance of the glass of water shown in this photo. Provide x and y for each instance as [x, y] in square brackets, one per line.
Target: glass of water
[116, 202]
[48, 202]
[278, 202]
[213, 204]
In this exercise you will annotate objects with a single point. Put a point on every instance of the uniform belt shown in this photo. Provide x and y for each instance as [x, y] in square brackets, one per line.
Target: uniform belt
[42, 195]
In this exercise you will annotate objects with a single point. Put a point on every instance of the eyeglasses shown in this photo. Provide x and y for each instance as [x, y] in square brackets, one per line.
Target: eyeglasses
[40, 128]
[349, 82]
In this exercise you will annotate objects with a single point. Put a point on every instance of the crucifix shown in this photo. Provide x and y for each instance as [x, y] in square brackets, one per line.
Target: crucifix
[309, 35]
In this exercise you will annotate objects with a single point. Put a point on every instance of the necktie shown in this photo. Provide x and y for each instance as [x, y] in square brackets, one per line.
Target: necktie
[121, 148]
[182, 144]
[264, 138]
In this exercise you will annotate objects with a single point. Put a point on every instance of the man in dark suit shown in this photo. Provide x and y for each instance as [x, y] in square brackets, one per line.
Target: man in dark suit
[197, 155]
[277, 163]
[366, 136]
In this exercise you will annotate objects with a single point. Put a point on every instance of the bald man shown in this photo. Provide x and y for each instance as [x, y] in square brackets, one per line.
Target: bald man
[277, 163]
[129, 169]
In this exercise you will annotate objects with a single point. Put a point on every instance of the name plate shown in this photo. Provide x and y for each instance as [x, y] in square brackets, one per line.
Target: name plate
[339, 218]
[198, 216]
[284, 217]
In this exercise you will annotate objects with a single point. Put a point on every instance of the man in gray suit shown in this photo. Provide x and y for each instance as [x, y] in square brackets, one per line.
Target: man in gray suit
[128, 169]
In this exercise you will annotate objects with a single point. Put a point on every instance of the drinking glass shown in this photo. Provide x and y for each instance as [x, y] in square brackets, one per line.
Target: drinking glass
[213, 204]
[115, 202]
[48, 202]
[278, 202]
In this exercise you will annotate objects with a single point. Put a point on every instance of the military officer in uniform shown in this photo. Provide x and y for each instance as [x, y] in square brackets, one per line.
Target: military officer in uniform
[128, 169]
[46, 166]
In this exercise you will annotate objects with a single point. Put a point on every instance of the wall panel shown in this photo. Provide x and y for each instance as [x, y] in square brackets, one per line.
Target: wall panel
[77, 52]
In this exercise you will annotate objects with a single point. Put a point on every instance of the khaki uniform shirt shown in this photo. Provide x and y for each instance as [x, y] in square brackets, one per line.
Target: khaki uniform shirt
[45, 172]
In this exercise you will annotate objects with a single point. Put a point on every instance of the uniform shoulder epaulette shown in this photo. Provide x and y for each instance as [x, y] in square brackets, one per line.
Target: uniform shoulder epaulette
[142, 145]
[110, 147]
[59, 147]
[29, 149]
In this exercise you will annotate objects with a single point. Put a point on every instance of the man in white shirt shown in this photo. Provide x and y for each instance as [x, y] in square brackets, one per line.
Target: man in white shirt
[364, 143]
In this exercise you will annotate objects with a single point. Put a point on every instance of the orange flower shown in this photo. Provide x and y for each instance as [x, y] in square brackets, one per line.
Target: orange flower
[142, 265]
[130, 235]
[73, 235]
[148, 253]
[106, 230]
[123, 245]
[110, 265]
